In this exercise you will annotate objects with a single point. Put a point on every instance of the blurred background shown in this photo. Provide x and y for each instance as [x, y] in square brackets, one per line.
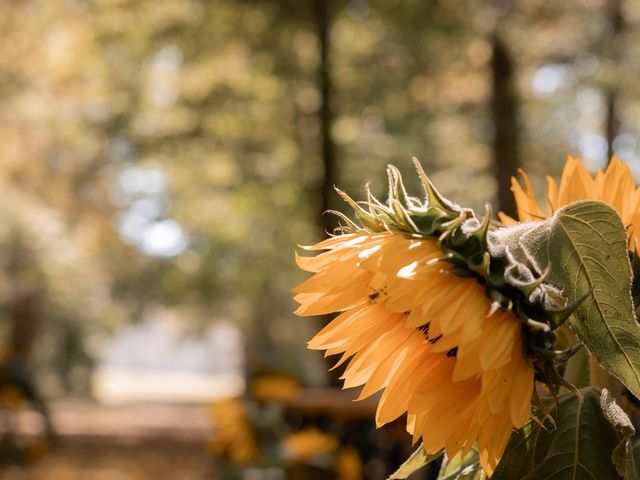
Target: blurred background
[160, 161]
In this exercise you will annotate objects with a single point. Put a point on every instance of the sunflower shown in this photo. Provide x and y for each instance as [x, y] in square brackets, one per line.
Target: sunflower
[429, 338]
[307, 443]
[233, 436]
[275, 388]
[613, 186]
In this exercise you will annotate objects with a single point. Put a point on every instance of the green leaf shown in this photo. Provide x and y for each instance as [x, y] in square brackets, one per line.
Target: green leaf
[576, 371]
[526, 449]
[416, 461]
[585, 244]
[635, 286]
[580, 446]
[635, 452]
[467, 468]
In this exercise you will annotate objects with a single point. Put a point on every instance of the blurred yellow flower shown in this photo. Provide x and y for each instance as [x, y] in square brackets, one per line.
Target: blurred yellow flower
[349, 464]
[429, 338]
[613, 186]
[38, 449]
[275, 388]
[11, 396]
[305, 444]
[233, 436]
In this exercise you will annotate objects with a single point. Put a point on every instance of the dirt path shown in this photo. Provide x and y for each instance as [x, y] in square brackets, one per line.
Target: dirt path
[139, 442]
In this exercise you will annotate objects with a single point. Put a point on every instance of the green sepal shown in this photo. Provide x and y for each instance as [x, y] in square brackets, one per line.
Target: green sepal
[434, 199]
[368, 220]
[585, 246]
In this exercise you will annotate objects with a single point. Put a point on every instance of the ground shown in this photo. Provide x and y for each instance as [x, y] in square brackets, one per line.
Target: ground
[159, 442]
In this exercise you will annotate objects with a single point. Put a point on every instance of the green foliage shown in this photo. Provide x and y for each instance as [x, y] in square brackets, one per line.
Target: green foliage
[588, 438]
[418, 459]
[215, 98]
[576, 370]
[223, 97]
[585, 246]
[458, 468]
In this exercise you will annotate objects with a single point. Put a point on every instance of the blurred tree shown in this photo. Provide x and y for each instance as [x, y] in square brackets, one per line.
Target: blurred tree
[612, 122]
[322, 15]
[505, 121]
[169, 154]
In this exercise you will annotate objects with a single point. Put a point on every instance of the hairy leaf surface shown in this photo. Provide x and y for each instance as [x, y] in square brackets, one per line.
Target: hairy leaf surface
[622, 454]
[585, 245]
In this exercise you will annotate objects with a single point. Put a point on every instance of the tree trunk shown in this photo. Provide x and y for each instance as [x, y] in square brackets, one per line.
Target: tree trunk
[327, 193]
[612, 120]
[23, 305]
[23, 311]
[612, 123]
[505, 119]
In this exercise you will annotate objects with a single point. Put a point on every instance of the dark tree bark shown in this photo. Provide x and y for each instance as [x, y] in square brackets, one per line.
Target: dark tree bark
[612, 120]
[23, 304]
[504, 113]
[329, 168]
[23, 311]
[612, 123]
